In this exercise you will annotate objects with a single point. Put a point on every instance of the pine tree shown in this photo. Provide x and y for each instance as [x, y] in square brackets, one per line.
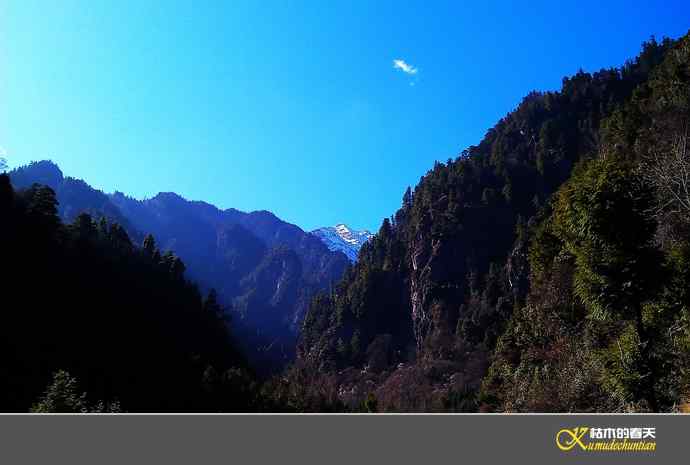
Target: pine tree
[62, 396]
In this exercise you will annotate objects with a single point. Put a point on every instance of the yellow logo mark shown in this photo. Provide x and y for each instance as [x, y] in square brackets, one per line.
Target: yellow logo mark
[566, 439]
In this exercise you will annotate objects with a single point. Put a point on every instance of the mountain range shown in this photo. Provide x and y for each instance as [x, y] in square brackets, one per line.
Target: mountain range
[264, 270]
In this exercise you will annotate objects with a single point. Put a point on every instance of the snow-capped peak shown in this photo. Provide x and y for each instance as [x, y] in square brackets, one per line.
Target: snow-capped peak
[344, 239]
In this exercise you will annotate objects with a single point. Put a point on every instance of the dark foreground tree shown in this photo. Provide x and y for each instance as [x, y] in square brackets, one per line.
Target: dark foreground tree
[123, 320]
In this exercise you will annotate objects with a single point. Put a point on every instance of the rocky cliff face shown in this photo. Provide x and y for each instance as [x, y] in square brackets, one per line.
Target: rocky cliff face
[422, 253]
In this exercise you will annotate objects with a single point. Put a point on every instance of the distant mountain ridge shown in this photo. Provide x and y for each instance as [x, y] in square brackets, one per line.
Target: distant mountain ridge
[264, 269]
[74, 195]
[343, 239]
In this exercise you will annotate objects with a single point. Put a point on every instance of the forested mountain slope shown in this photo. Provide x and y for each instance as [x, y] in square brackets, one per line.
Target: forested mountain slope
[75, 196]
[264, 270]
[82, 299]
[544, 269]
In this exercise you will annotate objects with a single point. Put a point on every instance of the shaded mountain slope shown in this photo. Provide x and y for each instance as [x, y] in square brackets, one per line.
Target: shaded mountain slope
[123, 320]
[234, 252]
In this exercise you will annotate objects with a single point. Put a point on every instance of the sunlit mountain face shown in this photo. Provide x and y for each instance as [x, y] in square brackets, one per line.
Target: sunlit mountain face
[342, 238]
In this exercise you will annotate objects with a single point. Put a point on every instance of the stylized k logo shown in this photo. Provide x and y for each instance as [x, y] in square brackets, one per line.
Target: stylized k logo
[566, 439]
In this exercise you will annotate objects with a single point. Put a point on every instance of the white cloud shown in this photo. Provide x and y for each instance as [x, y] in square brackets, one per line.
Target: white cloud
[404, 67]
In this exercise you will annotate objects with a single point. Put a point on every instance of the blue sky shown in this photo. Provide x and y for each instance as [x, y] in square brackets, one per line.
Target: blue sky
[293, 107]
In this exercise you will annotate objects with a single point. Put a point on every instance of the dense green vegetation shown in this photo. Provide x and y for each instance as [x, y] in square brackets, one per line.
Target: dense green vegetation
[544, 269]
[605, 325]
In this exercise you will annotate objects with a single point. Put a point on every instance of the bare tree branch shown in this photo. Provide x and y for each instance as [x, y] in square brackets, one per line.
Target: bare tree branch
[668, 172]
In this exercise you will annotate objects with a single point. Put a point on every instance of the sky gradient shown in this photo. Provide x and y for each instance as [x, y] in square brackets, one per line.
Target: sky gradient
[295, 107]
